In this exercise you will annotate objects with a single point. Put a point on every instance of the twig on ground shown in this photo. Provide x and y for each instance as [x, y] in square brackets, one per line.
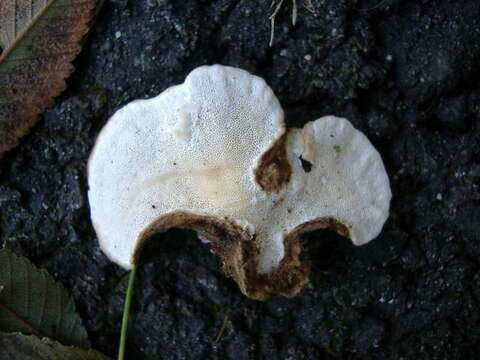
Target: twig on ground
[222, 329]
[274, 15]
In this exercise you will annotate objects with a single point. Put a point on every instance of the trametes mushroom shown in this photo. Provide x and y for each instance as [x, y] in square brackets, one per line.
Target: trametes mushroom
[213, 155]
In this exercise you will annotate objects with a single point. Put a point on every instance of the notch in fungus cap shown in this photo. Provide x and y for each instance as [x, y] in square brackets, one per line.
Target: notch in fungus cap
[213, 155]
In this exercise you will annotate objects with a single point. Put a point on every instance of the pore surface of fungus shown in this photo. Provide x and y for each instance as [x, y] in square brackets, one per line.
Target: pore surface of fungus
[213, 155]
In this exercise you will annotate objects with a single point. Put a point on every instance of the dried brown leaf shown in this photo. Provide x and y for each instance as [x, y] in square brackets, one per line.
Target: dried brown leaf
[40, 39]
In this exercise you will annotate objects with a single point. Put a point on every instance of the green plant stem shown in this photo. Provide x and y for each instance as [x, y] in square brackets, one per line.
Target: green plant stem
[126, 313]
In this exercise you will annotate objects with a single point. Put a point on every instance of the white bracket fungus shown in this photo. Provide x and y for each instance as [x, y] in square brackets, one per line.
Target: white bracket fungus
[213, 155]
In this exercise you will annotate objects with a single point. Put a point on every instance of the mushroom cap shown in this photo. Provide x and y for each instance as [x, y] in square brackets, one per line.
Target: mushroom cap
[213, 155]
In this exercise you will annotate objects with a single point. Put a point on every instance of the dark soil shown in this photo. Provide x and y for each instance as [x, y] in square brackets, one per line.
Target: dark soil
[407, 73]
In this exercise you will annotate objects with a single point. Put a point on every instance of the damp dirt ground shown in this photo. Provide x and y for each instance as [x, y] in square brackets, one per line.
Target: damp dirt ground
[406, 73]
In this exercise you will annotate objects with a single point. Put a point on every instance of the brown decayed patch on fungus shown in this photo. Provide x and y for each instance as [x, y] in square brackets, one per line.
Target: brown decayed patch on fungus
[291, 275]
[273, 170]
[231, 242]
